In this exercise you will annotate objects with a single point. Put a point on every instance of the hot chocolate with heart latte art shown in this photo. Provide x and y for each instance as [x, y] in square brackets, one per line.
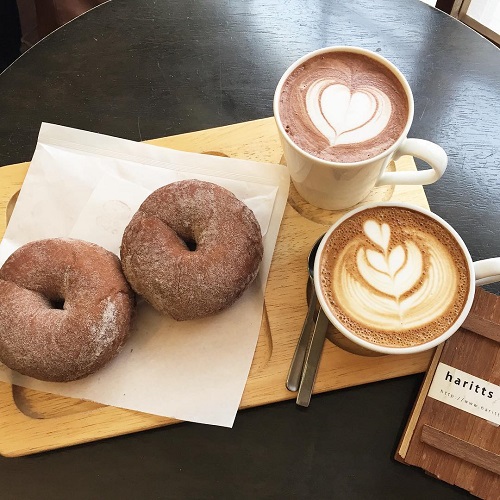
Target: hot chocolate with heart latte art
[343, 107]
[394, 276]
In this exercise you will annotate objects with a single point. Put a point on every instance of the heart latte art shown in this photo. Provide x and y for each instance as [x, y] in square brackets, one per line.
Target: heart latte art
[394, 277]
[343, 107]
[345, 117]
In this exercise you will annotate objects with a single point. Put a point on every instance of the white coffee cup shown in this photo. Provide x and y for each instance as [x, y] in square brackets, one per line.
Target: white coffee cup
[337, 185]
[476, 273]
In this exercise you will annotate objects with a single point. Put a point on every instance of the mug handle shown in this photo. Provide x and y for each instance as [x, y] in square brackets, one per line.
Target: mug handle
[427, 151]
[487, 271]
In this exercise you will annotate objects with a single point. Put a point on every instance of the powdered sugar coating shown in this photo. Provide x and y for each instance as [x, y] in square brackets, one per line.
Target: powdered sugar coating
[184, 283]
[44, 341]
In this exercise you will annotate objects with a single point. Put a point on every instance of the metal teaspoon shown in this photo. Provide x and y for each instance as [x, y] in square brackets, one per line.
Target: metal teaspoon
[313, 353]
[313, 357]
[297, 364]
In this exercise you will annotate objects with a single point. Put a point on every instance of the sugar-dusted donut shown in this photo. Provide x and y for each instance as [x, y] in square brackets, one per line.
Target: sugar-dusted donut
[66, 309]
[191, 249]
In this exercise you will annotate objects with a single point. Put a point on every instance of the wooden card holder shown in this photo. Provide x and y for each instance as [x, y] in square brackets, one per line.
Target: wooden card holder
[448, 443]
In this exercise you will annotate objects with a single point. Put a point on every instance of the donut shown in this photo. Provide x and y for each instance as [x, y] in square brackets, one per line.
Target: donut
[66, 309]
[191, 249]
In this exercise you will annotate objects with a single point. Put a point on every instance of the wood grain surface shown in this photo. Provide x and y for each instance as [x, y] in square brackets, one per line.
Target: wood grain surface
[36, 421]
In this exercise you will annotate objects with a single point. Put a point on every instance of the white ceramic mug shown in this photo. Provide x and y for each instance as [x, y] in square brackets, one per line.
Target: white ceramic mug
[479, 273]
[337, 186]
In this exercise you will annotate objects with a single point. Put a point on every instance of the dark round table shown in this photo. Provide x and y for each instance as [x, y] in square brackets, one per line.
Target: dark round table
[141, 69]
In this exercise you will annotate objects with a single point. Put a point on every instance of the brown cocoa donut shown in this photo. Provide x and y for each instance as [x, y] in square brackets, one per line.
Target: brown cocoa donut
[191, 249]
[66, 309]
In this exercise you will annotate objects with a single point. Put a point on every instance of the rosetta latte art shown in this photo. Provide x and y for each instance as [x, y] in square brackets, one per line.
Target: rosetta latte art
[394, 277]
[346, 117]
[394, 287]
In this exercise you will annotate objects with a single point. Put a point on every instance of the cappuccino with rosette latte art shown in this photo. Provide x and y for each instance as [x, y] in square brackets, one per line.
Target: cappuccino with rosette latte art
[343, 107]
[394, 277]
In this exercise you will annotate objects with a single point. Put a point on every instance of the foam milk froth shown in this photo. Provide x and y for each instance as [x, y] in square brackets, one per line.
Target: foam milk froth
[394, 277]
[343, 107]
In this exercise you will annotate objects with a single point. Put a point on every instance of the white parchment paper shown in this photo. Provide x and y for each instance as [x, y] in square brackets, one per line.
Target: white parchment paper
[88, 186]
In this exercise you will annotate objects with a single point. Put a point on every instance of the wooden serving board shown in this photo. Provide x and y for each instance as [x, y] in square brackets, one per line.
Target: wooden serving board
[32, 421]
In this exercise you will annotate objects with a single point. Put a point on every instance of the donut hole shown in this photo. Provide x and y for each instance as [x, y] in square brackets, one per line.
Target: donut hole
[57, 303]
[191, 244]
[187, 236]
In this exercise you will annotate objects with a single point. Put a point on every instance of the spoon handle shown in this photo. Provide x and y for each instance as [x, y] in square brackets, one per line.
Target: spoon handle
[313, 357]
[297, 364]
